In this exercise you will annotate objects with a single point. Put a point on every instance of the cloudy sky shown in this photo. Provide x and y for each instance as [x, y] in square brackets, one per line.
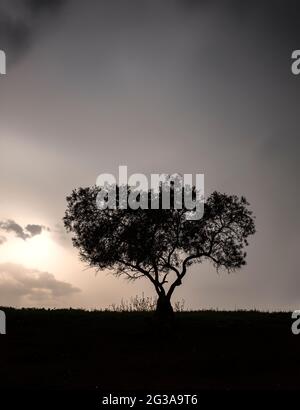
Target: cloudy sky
[161, 86]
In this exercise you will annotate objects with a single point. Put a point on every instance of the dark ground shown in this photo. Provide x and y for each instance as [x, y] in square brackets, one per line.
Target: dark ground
[69, 349]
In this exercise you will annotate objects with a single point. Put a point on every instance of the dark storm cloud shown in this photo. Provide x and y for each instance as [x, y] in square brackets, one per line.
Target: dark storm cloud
[36, 6]
[20, 21]
[254, 47]
[29, 231]
[275, 12]
[273, 25]
[14, 36]
[18, 282]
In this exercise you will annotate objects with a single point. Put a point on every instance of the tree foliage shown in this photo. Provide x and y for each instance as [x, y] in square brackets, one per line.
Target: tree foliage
[159, 244]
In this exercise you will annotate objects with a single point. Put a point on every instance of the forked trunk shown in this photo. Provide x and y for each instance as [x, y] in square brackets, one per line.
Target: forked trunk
[164, 308]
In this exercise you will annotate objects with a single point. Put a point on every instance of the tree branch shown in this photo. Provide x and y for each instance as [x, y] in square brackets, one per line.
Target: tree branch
[159, 289]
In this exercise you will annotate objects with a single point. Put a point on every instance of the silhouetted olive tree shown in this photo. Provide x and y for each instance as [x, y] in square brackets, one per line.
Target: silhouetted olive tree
[159, 244]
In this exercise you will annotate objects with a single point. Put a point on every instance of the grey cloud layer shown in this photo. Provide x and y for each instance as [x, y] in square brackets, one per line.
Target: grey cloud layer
[29, 231]
[18, 283]
[19, 22]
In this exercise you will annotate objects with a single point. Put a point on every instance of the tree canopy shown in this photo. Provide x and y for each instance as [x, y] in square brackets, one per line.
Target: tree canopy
[159, 244]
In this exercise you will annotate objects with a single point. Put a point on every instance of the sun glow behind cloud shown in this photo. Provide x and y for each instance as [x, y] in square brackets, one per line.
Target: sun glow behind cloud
[40, 252]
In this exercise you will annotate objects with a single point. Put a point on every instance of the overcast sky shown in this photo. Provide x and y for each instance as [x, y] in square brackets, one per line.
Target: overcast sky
[161, 86]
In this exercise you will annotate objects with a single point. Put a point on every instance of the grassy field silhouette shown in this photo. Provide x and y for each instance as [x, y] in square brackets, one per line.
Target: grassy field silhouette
[70, 348]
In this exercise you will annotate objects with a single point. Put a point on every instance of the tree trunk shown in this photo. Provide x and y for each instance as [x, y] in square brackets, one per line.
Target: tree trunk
[164, 308]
